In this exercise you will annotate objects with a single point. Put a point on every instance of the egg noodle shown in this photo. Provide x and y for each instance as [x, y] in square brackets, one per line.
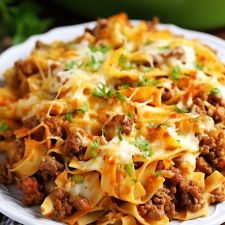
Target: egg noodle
[123, 125]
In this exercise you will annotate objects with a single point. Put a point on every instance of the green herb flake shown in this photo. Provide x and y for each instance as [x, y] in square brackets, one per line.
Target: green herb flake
[157, 173]
[110, 93]
[176, 73]
[165, 124]
[70, 65]
[199, 66]
[83, 109]
[145, 82]
[135, 180]
[93, 148]
[215, 91]
[130, 169]
[100, 91]
[164, 48]
[93, 65]
[69, 116]
[181, 109]
[77, 178]
[130, 115]
[124, 63]
[151, 124]
[144, 146]
[125, 86]
[3, 126]
[100, 49]
[120, 129]
[120, 96]
[93, 61]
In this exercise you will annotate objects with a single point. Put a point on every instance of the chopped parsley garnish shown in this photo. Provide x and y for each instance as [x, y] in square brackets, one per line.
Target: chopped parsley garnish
[120, 129]
[93, 65]
[93, 148]
[93, 61]
[215, 91]
[165, 124]
[145, 82]
[199, 66]
[100, 91]
[135, 180]
[130, 169]
[181, 109]
[124, 63]
[130, 115]
[164, 48]
[176, 73]
[151, 124]
[69, 116]
[70, 65]
[83, 109]
[120, 96]
[77, 178]
[125, 86]
[110, 93]
[3, 126]
[144, 146]
[100, 49]
[157, 174]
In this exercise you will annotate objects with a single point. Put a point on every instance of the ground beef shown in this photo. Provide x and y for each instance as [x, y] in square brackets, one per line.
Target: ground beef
[49, 186]
[72, 145]
[31, 122]
[218, 114]
[112, 127]
[50, 167]
[191, 196]
[8, 135]
[26, 67]
[99, 29]
[167, 94]
[176, 178]
[5, 176]
[62, 206]
[16, 152]
[217, 195]
[55, 125]
[216, 100]
[31, 189]
[199, 99]
[203, 166]
[212, 147]
[161, 203]
[80, 203]
[160, 165]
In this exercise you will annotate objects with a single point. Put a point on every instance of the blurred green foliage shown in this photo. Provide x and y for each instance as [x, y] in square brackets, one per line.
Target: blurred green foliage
[20, 19]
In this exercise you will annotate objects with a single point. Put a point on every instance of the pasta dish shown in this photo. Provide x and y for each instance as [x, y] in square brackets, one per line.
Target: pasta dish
[122, 125]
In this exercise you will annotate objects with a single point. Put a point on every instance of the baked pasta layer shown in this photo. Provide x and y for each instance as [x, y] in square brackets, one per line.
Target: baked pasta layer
[122, 125]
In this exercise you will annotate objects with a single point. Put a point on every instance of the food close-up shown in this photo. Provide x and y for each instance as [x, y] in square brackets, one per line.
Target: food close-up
[124, 124]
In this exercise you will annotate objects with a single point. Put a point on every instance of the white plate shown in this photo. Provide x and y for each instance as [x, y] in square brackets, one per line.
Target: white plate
[10, 203]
